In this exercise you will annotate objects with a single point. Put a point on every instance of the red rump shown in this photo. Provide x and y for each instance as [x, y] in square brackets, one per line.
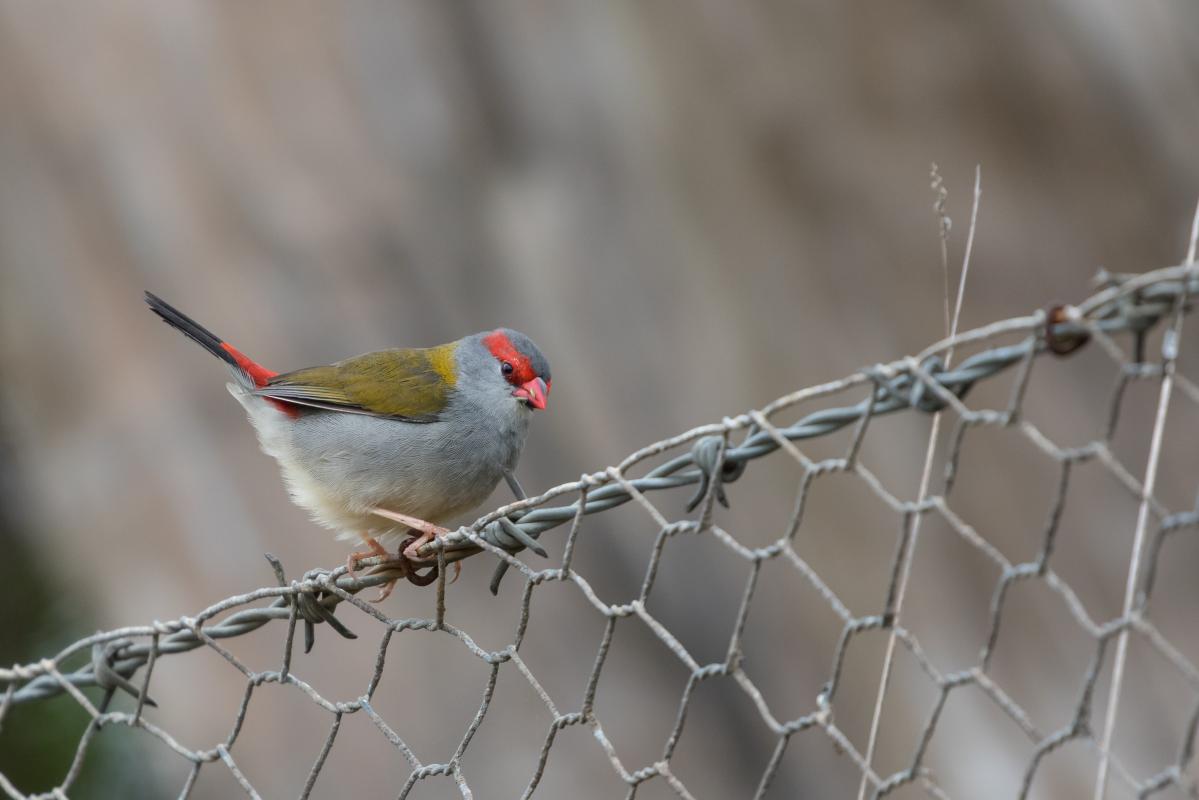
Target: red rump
[260, 375]
[502, 348]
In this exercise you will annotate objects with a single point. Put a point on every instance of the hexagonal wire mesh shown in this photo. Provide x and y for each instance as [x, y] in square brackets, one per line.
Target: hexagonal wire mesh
[708, 458]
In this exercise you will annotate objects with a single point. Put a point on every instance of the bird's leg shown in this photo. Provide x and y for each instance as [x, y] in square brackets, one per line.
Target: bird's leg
[430, 576]
[428, 531]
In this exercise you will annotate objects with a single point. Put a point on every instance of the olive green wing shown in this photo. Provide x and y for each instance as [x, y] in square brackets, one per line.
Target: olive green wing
[408, 384]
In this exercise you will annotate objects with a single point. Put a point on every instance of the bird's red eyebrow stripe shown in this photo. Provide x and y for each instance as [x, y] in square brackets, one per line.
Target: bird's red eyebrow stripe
[502, 348]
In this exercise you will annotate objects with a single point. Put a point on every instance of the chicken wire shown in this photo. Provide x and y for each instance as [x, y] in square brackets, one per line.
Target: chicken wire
[1126, 309]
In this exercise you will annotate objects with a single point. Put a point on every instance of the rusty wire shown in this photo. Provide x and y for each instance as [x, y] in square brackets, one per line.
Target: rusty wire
[1125, 304]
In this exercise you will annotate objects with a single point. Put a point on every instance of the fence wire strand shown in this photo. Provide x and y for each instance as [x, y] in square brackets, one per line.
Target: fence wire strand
[709, 458]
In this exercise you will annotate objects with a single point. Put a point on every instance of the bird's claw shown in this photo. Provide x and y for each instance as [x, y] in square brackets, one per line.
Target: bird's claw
[407, 559]
[373, 549]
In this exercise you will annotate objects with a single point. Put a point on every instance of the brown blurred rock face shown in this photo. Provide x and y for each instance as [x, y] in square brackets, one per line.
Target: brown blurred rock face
[695, 207]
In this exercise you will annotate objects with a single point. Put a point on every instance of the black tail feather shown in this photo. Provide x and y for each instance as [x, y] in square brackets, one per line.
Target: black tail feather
[189, 328]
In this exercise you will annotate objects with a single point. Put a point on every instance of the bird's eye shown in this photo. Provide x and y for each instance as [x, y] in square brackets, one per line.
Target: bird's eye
[506, 368]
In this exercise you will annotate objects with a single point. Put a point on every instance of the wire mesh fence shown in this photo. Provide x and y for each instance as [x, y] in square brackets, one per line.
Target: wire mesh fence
[1136, 321]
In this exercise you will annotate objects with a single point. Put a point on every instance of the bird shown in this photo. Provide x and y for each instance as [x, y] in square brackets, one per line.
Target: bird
[388, 445]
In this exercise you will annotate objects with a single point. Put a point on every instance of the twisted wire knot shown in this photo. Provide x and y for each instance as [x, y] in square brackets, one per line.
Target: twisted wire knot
[307, 597]
[711, 456]
[921, 396]
[506, 534]
[107, 677]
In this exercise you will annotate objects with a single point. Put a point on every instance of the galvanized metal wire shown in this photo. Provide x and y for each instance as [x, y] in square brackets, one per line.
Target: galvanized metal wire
[709, 458]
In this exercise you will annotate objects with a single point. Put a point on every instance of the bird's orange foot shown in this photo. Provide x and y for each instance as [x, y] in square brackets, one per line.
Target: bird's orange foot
[385, 591]
[376, 549]
[412, 547]
[406, 572]
[373, 549]
[415, 577]
[409, 556]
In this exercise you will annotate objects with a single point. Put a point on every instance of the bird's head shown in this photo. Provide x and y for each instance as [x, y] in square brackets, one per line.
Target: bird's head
[519, 363]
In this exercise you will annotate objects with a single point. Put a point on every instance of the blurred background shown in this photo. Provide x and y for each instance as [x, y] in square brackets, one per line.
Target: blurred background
[693, 208]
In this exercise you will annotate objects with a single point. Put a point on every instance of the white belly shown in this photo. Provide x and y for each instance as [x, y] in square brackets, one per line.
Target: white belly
[338, 466]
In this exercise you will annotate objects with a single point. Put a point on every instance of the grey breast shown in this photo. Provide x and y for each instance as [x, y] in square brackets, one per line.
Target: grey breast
[431, 470]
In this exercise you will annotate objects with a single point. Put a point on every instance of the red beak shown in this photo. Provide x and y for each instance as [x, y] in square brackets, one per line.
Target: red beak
[534, 393]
